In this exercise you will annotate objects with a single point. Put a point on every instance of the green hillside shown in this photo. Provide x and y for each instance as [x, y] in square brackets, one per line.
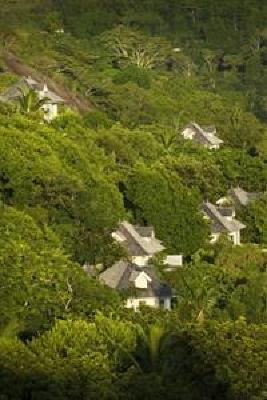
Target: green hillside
[134, 74]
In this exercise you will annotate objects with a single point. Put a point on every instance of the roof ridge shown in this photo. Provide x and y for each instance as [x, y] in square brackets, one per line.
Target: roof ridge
[227, 224]
[218, 216]
[207, 135]
[141, 242]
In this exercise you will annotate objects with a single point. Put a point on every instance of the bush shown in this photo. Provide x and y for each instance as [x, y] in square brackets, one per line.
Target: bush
[132, 73]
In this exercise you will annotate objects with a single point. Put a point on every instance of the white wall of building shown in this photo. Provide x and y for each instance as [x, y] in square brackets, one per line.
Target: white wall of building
[174, 260]
[214, 237]
[50, 111]
[212, 146]
[142, 280]
[188, 133]
[167, 303]
[234, 237]
[142, 261]
[148, 301]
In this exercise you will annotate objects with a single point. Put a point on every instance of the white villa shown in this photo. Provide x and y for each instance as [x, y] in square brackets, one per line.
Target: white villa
[52, 100]
[223, 221]
[137, 276]
[205, 136]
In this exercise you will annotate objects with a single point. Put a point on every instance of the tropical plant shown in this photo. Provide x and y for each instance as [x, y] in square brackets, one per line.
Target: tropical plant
[29, 101]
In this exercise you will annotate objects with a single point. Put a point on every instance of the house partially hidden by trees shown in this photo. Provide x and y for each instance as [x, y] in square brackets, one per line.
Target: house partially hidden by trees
[141, 285]
[139, 242]
[49, 100]
[137, 276]
[205, 136]
[239, 197]
[223, 222]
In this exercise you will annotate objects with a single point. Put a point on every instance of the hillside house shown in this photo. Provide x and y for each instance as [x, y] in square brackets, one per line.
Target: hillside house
[238, 197]
[141, 283]
[205, 136]
[241, 198]
[223, 222]
[52, 100]
[137, 275]
[139, 242]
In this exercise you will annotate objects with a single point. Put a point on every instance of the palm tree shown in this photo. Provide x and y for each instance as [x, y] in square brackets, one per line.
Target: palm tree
[29, 101]
[169, 135]
[168, 138]
[153, 344]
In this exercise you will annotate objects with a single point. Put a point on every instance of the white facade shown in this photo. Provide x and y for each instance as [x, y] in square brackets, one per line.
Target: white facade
[142, 280]
[188, 133]
[212, 146]
[50, 111]
[234, 237]
[214, 237]
[141, 261]
[154, 302]
[173, 261]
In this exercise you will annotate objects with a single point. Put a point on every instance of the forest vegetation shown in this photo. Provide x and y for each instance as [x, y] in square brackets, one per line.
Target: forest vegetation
[135, 74]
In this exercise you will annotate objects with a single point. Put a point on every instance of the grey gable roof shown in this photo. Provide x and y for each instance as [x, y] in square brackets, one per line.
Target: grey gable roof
[226, 211]
[220, 223]
[145, 231]
[14, 91]
[139, 241]
[241, 197]
[209, 128]
[113, 275]
[121, 277]
[206, 134]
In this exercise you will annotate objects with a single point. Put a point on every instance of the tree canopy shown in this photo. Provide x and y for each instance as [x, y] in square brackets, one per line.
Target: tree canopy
[134, 74]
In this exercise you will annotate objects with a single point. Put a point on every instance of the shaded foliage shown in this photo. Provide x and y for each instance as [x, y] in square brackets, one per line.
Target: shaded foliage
[147, 68]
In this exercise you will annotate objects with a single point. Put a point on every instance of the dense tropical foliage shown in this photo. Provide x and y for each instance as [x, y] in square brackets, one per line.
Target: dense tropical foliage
[134, 74]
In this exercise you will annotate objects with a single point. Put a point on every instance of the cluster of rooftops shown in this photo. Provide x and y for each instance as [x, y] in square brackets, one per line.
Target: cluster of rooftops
[136, 274]
[205, 135]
